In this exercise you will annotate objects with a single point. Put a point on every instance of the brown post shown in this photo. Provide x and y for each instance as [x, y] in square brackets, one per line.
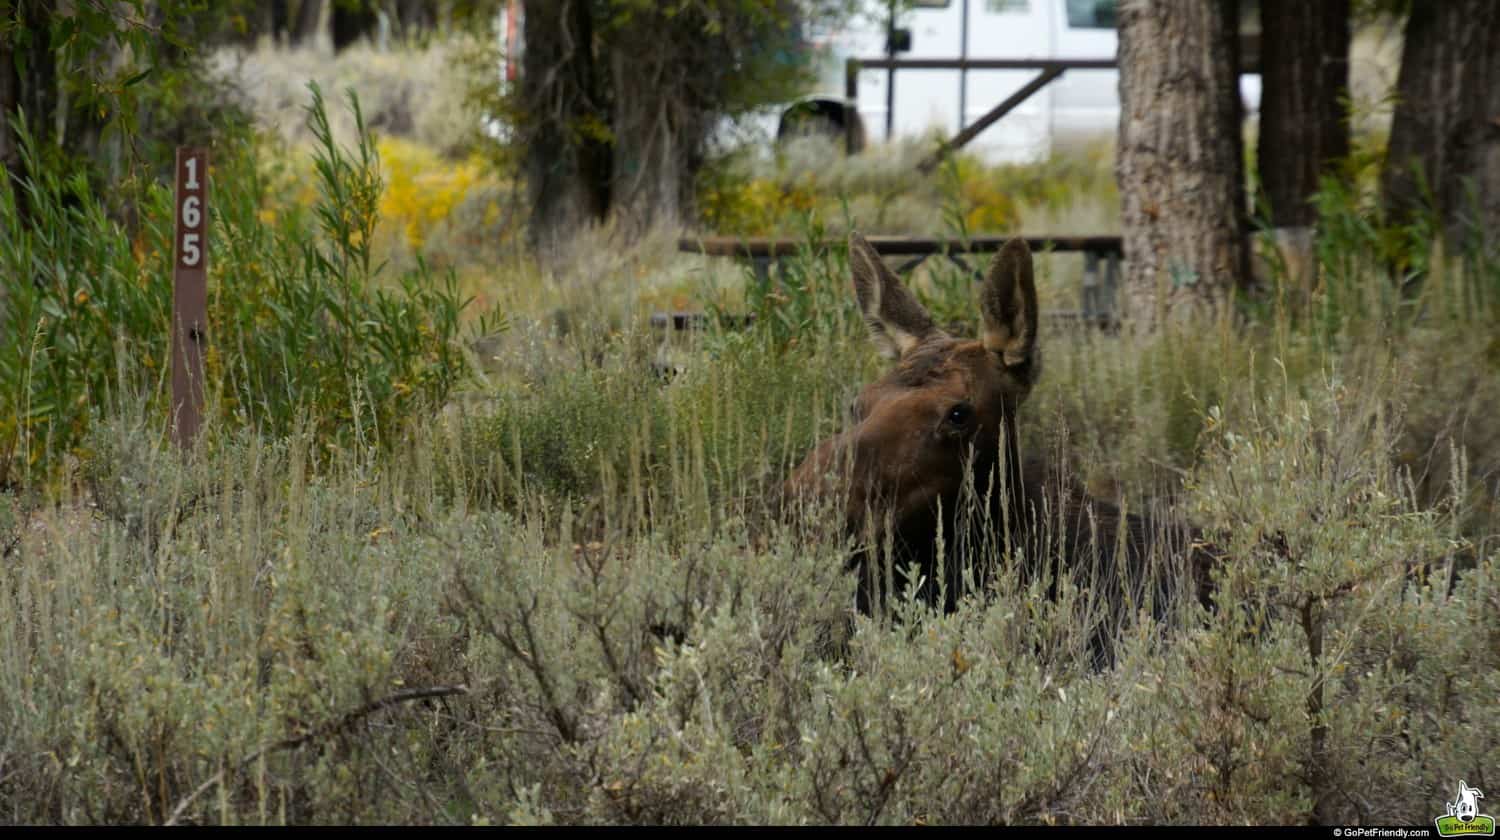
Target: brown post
[190, 294]
[851, 104]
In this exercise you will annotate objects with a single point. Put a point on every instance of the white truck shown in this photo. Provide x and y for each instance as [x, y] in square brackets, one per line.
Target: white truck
[1081, 104]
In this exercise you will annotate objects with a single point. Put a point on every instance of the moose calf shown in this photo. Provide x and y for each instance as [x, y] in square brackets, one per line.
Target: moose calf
[933, 449]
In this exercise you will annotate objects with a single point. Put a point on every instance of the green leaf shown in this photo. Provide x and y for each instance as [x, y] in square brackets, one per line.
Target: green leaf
[139, 77]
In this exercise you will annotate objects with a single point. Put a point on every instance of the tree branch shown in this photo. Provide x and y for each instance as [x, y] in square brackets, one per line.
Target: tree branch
[341, 724]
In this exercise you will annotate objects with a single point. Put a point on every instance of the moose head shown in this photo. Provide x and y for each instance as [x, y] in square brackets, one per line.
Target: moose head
[943, 414]
[932, 449]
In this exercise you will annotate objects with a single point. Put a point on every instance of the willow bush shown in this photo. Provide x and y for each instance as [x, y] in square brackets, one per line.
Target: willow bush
[303, 327]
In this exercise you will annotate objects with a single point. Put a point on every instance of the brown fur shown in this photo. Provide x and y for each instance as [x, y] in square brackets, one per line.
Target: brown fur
[940, 427]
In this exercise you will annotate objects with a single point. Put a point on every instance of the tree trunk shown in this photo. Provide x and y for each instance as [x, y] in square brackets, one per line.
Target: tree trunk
[1303, 131]
[567, 158]
[277, 15]
[10, 97]
[1445, 134]
[309, 20]
[415, 16]
[648, 162]
[267, 19]
[1179, 164]
[662, 116]
[35, 93]
[352, 22]
[1486, 152]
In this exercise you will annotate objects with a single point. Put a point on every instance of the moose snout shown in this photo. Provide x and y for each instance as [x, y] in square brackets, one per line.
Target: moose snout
[864, 472]
[830, 472]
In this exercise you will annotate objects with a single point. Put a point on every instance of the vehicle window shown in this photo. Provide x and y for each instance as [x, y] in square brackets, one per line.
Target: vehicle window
[1007, 6]
[1092, 14]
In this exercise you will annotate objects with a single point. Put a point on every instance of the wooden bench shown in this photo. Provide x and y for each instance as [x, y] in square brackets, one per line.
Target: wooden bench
[1101, 269]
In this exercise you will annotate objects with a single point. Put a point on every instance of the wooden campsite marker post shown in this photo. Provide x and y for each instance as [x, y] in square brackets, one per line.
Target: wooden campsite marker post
[189, 294]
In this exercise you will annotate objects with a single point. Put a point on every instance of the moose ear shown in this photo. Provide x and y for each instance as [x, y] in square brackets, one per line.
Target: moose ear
[897, 322]
[1009, 305]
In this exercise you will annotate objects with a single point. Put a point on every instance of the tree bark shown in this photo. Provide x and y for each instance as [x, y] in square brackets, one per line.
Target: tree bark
[1303, 130]
[277, 16]
[567, 157]
[10, 96]
[350, 22]
[35, 93]
[1179, 165]
[665, 102]
[309, 20]
[414, 16]
[266, 19]
[1445, 134]
[652, 139]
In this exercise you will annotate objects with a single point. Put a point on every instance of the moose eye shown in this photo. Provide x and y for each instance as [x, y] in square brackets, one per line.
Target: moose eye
[961, 414]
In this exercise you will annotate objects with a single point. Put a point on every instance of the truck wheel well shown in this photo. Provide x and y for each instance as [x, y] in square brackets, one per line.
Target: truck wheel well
[820, 115]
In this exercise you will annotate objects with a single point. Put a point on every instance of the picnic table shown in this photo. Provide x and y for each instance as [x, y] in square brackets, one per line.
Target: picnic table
[1101, 269]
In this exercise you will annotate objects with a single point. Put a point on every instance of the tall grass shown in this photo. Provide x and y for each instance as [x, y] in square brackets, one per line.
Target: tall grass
[81, 303]
[248, 639]
[303, 324]
[319, 330]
